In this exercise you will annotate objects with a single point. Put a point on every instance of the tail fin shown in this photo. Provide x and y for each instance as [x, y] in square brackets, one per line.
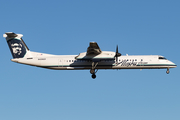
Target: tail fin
[16, 44]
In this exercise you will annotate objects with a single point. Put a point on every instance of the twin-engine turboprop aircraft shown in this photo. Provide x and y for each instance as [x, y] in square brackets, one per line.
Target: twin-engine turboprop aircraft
[92, 60]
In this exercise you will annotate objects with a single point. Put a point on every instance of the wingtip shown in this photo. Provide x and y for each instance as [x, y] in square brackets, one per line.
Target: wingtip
[92, 42]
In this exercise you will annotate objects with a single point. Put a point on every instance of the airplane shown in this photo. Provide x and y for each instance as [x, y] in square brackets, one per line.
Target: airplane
[93, 59]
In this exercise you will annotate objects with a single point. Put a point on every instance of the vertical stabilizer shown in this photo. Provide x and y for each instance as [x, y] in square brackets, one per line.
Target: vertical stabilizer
[16, 45]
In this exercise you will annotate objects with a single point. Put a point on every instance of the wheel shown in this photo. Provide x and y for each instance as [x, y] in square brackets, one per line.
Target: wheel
[93, 76]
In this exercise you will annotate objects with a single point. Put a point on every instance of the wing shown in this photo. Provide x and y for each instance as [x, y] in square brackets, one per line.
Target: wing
[95, 53]
[93, 49]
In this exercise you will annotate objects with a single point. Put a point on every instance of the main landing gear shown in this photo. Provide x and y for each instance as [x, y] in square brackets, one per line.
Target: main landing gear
[92, 71]
[167, 71]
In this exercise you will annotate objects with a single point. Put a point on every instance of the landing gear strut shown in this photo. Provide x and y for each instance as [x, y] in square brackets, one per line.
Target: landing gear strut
[167, 71]
[92, 71]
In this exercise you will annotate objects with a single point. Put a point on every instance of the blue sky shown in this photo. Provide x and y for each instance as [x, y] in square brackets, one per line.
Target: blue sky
[66, 27]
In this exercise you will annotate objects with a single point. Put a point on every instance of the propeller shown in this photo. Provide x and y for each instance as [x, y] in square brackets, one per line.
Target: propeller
[117, 54]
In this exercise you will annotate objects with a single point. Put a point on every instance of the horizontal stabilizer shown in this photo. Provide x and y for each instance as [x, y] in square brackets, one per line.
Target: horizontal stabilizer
[10, 35]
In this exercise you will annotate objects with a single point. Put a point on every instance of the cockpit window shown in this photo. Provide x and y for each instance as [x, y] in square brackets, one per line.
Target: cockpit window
[162, 58]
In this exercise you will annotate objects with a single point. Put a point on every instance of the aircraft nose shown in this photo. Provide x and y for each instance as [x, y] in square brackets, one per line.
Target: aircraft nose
[173, 65]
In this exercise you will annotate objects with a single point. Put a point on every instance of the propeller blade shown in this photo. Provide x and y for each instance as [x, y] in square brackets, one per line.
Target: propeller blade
[117, 49]
[117, 53]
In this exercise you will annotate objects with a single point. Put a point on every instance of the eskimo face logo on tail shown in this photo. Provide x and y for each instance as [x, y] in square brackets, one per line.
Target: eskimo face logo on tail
[17, 48]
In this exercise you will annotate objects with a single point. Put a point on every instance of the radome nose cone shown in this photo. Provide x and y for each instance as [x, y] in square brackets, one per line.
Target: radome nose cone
[174, 65]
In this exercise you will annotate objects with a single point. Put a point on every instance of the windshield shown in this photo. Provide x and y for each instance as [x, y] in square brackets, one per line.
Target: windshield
[162, 58]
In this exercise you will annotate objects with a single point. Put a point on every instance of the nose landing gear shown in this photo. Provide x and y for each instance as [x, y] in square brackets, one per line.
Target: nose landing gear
[167, 71]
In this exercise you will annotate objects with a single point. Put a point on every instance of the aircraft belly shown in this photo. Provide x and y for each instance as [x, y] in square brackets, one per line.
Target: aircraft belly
[105, 67]
[143, 67]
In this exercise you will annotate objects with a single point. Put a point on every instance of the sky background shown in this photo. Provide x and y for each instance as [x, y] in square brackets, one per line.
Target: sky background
[138, 27]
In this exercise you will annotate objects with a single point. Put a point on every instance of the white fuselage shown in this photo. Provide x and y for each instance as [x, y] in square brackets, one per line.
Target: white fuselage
[69, 62]
[93, 59]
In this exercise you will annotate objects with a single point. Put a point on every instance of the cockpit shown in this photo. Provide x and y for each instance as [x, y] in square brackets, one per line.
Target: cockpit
[162, 58]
